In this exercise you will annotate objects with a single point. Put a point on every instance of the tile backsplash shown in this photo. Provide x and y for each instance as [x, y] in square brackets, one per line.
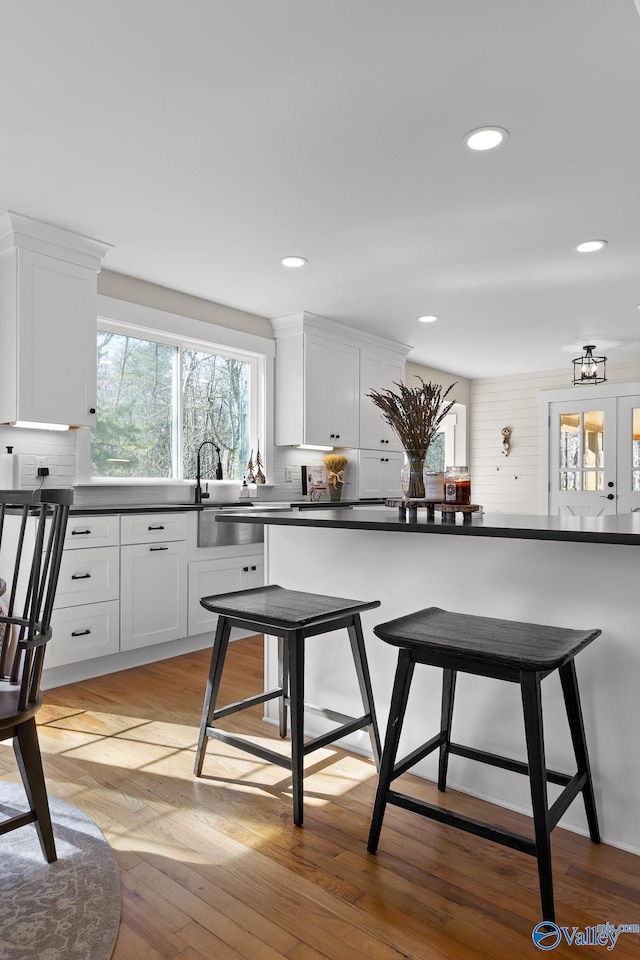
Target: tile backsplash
[56, 446]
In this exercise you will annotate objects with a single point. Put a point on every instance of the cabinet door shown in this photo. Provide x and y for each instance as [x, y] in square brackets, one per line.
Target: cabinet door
[331, 392]
[208, 577]
[379, 474]
[318, 385]
[345, 396]
[56, 341]
[153, 600]
[377, 372]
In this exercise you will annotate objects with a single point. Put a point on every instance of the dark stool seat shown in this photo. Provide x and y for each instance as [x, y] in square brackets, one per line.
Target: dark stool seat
[292, 616]
[523, 653]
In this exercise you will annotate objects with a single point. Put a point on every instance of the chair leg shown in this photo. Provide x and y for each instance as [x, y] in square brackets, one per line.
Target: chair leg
[532, 707]
[569, 682]
[218, 654]
[296, 703]
[446, 718]
[399, 698]
[283, 683]
[27, 751]
[359, 652]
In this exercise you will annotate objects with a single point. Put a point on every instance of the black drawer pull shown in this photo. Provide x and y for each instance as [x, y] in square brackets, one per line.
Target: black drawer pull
[151, 549]
[158, 526]
[78, 533]
[81, 576]
[80, 633]
[254, 568]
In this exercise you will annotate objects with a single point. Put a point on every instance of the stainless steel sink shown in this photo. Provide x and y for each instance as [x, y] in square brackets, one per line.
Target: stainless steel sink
[214, 534]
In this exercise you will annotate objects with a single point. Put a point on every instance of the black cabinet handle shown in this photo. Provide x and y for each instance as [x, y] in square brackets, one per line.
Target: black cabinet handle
[80, 633]
[81, 576]
[332, 435]
[254, 568]
[245, 569]
[92, 409]
[337, 436]
[158, 526]
[151, 549]
[79, 533]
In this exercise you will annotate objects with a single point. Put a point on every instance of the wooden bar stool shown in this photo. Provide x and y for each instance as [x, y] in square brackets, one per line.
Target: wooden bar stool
[523, 653]
[292, 616]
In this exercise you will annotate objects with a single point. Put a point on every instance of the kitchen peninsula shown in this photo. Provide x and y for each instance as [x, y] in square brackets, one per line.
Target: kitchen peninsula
[573, 572]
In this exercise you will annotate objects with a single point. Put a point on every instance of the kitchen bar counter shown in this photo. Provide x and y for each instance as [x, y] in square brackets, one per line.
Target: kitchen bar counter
[620, 528]
[573, 572]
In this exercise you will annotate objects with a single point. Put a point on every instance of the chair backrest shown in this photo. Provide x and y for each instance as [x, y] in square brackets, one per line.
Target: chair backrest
[32, 530]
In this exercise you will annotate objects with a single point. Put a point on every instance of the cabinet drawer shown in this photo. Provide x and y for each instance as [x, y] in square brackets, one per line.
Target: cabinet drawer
[92, 532]
[152, 527]
[88, 576]
[83, 632]
[207, 577]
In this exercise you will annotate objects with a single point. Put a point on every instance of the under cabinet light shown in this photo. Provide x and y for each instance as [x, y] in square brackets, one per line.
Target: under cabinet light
[34, 425]
[312, 446]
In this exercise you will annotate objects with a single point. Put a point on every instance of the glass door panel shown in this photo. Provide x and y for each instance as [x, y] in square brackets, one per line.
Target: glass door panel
[628, 454]
[582, 453]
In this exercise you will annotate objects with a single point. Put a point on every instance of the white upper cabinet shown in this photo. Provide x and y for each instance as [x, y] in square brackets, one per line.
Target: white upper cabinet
[48, 279]
[319, 382]
[379, 370]
[331, 389]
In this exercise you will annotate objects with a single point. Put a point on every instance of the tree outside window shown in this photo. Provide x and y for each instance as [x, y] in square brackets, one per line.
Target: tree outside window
[157, 402]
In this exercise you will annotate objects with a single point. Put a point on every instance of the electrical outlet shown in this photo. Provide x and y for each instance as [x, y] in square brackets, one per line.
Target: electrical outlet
[40, 462]
[288, 474]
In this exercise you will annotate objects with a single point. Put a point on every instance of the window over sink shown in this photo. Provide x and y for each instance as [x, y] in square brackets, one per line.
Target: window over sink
[159, 396]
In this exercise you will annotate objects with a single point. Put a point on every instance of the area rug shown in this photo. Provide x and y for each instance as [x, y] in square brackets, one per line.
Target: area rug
[67, 910]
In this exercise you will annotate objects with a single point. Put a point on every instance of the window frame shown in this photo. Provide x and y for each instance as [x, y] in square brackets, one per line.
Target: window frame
[147, 323]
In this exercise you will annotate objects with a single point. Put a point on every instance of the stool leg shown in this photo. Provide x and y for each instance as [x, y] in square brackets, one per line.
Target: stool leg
[446, 717]
[569, 682]
[359, 652]
[296, 703]
[532, 708]
[399, 697]
[283, 683]
[218, 654]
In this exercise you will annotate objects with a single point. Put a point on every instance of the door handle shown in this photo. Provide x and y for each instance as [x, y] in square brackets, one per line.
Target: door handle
[609, 496]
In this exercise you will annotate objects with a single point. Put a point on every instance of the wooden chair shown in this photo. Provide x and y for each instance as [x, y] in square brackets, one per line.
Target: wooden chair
[32, 529]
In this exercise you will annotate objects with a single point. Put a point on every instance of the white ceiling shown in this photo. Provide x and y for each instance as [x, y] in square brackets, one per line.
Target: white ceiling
[206, 139]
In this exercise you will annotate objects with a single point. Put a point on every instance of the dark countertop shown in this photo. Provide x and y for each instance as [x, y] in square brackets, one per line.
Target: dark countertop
[617, 529]
[109, 508]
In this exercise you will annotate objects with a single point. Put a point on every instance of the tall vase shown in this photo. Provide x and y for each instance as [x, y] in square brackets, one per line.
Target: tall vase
[411, 476]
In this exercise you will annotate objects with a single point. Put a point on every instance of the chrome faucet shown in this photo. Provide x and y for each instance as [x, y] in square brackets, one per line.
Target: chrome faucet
[200, 495]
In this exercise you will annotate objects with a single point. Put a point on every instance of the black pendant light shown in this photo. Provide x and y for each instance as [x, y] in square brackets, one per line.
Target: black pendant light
[589, 369]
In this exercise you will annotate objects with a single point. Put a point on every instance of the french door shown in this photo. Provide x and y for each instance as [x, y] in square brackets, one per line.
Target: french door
[594, 456]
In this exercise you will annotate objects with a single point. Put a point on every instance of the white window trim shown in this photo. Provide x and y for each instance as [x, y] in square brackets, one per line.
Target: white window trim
[149, 323]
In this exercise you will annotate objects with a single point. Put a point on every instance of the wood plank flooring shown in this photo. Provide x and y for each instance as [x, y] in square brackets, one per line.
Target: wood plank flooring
[214, 868]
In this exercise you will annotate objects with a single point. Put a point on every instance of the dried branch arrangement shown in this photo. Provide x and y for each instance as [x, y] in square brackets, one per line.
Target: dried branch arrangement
[336, 465]
[414, 413]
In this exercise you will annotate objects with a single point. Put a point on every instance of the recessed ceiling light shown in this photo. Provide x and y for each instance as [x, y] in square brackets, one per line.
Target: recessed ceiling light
[486, 138]
[427, 319]
[591, 246]
[293, 261]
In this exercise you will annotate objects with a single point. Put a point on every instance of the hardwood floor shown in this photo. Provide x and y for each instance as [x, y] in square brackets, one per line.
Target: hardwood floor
[214, 868]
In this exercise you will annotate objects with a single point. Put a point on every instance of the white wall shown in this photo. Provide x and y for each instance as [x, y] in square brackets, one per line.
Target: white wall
[513, 484]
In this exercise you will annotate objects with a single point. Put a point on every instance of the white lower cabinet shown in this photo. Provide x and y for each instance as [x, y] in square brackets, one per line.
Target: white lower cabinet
[379, 473]
[207, 577]
[83, 632]
[153, 599]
